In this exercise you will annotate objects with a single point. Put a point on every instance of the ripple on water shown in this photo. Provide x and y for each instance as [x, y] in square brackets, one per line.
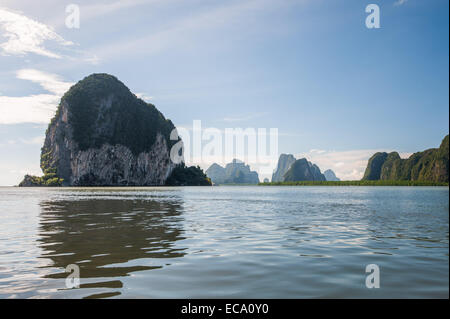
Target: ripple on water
[229, 242]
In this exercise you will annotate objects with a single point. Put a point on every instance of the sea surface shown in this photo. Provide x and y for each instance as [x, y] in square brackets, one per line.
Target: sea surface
[224, 242]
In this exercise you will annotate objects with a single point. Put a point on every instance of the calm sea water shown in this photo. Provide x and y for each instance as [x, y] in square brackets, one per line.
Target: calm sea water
[229, 242]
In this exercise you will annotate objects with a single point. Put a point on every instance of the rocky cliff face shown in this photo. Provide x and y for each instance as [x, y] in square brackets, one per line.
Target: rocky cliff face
[233, 173]
[291, 170]
[284, 163]
[103, 135]
[330, 176]
[373, 169]
[302, 170]
[430, 165]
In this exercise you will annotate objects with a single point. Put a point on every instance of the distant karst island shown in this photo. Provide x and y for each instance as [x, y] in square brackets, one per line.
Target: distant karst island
[430, 165]
[427, 168]
[236, 172]
[290, 169]
[103, 135]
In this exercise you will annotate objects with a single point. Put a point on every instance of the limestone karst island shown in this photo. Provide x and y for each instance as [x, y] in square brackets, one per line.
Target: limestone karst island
[103, 135]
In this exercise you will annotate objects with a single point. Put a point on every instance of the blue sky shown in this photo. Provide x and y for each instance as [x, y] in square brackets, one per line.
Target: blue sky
[336, 90]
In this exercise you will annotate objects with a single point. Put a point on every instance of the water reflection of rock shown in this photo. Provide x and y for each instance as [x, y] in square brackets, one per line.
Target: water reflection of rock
[109, 237]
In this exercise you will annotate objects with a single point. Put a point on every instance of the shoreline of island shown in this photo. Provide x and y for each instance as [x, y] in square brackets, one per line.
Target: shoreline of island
[356, 183]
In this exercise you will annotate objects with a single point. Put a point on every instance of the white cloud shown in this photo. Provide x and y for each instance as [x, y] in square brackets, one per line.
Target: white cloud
[399, 2]
[93, 59]
[11, 173]
[25, 35]
[144, 96]
[185, 31]
[244, 117]
[37, 108]
[317, 151]
[348, 165]
[99, 9]
[49, 82]
[27, 109]
[37, 140]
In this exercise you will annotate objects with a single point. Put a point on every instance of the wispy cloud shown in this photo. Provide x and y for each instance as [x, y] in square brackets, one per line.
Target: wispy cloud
[25, 35]
[185, 30]
[144, 96]
[400, 2]
[37, 140]
[99, 9]
[50, 82]
[37, 108]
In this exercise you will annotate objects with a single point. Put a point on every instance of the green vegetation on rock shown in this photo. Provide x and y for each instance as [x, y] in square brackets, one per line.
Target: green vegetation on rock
[302, 170]
[48, 180]
[430, 165]
[103, 98]
[188, 176]
[373, 170]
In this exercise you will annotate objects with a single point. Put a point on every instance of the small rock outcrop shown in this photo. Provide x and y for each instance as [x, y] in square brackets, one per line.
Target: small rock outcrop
[31, 181]
[235, 172]
[188, 176]
[330, 176]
